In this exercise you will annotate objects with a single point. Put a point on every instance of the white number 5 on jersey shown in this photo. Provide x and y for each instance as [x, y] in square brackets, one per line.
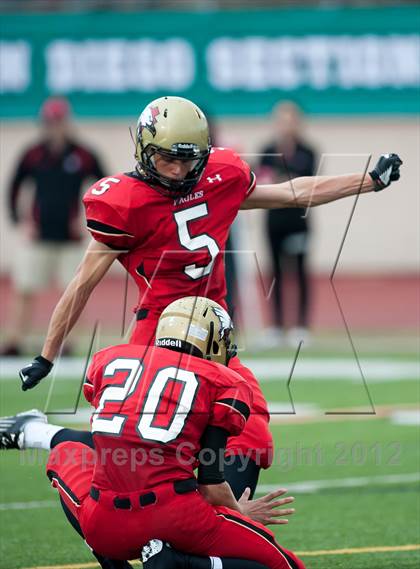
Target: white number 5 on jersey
[194, 243]
[104, 186]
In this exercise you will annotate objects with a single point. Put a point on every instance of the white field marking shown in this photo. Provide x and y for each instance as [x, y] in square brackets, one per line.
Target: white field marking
[72, 566]
[64, 368]
[410, 417]
[301, 409]
[312, 486]
[354, 550]
[320, 553]
[28, 505]
[334, 369]
[81, 417]
[376, 370]
[304, 487]
[282, 413]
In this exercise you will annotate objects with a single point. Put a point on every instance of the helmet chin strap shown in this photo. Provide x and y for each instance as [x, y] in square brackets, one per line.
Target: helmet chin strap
[157, 184]
[165, 185]
[146, 168]
[140, 170]
[231, 352]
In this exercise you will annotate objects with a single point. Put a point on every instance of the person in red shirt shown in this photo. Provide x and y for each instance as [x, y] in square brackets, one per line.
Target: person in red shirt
[156, 410]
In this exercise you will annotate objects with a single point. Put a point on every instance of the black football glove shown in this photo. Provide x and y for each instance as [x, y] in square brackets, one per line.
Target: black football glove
[387, 170]
[32, 374]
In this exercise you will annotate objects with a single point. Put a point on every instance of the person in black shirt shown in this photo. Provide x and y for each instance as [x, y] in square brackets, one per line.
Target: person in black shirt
[56, 167]
[285, 158]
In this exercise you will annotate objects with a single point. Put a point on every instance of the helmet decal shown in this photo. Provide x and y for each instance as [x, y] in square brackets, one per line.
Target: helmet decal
[148, 119]
[198, 332]
[225, 321]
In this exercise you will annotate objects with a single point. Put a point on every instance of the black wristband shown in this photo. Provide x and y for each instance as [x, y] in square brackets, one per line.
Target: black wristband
[377, 184]
[43, 361]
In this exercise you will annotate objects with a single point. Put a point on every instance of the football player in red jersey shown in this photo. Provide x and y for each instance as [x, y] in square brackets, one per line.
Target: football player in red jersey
[174, 403]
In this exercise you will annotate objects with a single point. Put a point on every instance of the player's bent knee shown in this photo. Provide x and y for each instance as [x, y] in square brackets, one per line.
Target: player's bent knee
[72, 435]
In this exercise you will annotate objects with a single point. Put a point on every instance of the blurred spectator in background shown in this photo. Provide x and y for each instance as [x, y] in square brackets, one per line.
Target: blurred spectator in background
[57, 166]
[287, 157]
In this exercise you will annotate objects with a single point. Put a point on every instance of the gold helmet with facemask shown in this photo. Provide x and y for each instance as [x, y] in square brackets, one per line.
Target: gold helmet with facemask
[175, 128]
[199, 326]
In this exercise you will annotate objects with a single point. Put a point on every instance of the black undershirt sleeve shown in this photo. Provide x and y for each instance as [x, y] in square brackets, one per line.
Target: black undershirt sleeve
[213, 445]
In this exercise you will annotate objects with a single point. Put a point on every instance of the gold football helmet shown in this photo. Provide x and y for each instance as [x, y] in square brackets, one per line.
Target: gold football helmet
[199, 326]
[176, 128]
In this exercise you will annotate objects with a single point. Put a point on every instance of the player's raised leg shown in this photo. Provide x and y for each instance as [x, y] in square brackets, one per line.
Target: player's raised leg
[15, 432]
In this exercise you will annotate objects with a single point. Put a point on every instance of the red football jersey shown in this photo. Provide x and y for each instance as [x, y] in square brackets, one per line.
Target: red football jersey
[174, 245]
[152, 407]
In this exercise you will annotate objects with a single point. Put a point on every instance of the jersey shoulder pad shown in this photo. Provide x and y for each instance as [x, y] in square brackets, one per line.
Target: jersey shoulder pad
[231, 401]
[116, 191]
[103, 357]
[227, 157]
[110, 353]
[221, 375]
[233, 166]
[93, 378]
[110, 206]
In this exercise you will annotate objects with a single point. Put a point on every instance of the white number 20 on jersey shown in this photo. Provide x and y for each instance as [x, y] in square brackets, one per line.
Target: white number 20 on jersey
[119, 393]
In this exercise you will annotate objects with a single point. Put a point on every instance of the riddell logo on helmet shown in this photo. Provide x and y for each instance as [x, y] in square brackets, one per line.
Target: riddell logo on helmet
[169, 342]
[185, 145]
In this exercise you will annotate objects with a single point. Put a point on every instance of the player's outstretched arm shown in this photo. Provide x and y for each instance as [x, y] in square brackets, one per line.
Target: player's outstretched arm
[310, 191]
[95, 263]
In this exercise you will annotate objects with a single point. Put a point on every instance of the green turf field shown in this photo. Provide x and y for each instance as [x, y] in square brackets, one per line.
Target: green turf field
[354, 476]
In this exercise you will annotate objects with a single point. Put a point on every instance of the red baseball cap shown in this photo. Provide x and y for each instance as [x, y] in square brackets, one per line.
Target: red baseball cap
[55, 108]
